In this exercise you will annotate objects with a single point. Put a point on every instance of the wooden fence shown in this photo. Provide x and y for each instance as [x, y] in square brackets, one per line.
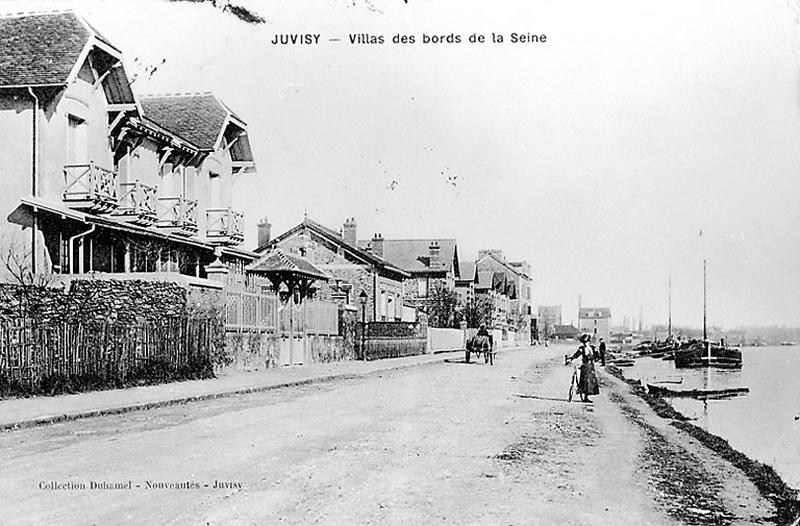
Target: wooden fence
[31, 352]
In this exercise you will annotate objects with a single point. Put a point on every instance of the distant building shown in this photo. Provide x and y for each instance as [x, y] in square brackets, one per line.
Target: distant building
[431, 263]
[595, 321]
[549, 316]
[565, 332]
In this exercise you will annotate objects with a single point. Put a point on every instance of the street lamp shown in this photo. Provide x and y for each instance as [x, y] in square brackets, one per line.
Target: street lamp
[362, 299]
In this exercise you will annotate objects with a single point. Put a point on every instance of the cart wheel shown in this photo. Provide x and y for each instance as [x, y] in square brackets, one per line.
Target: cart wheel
[466, 354]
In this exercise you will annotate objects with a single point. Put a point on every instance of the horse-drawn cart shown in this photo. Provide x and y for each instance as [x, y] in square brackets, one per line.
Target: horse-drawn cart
[481, 345]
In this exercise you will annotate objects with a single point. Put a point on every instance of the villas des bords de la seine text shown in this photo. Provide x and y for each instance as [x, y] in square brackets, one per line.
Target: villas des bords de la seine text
[312, 39]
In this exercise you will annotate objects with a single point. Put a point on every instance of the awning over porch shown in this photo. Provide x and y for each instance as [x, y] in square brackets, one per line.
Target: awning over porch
[284, 264]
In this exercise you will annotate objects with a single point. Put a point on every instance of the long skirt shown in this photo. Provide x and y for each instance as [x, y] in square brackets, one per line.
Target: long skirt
[588, 380]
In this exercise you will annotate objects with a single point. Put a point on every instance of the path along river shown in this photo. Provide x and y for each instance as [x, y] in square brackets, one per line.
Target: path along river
[764, 423]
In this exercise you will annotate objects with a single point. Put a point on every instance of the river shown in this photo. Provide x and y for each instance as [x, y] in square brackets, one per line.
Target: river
[763, 423]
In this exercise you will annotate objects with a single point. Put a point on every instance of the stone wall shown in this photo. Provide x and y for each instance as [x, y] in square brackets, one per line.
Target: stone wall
[123, 301]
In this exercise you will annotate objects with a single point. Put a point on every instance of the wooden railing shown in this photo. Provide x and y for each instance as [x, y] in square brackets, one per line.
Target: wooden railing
[224, 226]
[90, 187]
[138, 201]
[247, 309]
[178, 213]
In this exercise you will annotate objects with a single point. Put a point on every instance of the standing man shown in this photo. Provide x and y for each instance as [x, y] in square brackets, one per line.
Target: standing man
[602, 352]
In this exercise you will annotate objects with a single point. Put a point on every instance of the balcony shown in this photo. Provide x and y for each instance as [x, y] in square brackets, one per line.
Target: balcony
[137, 204]
[177, 215]
[90, 188]
[224, 226]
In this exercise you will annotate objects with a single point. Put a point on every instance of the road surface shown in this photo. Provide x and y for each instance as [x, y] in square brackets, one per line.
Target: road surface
[448, 443]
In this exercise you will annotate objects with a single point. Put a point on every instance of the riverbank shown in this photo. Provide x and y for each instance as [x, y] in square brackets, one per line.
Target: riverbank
[770, 486]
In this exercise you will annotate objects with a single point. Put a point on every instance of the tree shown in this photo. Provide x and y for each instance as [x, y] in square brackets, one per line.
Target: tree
[442, 304]
[478, 310]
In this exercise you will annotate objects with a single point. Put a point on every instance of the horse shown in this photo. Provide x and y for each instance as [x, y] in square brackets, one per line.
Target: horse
[480, 344]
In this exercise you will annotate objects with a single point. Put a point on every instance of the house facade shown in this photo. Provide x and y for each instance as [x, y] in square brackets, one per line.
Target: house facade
[549, 317]
[431, 264]
[510, 282]
[98, 179]
[595, 321]
[351, 270]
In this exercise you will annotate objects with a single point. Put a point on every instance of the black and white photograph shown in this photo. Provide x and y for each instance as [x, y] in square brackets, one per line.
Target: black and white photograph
[399, 262]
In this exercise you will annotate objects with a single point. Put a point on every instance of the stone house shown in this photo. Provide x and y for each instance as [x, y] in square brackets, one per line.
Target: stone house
[351, 270]
[101, 180]
[431, 263]
[510, 282]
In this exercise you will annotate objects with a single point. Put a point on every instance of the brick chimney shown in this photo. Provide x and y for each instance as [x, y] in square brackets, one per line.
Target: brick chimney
[349, 231]
[434, 252]
[264, 233]
[377, 245]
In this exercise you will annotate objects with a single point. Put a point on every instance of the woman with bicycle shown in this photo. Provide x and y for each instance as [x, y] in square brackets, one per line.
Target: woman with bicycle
[587, 382]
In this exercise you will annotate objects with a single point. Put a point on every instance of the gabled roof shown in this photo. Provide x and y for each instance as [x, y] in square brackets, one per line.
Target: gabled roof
[594, 312]
[413, 255]
[48, 49]
[336, 239]
[200, 118]
[278, 261]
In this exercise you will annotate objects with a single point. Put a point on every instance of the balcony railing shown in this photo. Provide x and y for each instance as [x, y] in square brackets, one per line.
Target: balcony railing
[90, 187]
[178, 215]
[224, 226]
[137, 203]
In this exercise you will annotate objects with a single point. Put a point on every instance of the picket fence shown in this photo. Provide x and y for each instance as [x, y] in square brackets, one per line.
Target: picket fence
[31, 352]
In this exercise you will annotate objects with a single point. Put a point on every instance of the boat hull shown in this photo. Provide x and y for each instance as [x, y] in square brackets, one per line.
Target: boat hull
[698, 356]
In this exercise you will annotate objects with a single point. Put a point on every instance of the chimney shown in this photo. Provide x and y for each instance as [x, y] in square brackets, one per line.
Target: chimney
[434, 251]
[264, 233]
[349, 231]
[377, 245]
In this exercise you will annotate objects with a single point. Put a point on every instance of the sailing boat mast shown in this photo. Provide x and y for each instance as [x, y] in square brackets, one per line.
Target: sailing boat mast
[669, 323]
[705, 335]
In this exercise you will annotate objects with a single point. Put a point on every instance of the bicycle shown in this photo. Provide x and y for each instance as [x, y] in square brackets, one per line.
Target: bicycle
[573, 385]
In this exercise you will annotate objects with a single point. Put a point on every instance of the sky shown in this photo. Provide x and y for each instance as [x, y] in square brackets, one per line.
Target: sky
[599, 156]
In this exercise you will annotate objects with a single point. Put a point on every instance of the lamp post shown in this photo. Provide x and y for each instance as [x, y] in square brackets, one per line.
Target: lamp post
[362, 298]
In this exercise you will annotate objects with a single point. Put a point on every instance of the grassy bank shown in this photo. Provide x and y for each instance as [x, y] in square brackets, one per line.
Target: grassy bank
[768, 482]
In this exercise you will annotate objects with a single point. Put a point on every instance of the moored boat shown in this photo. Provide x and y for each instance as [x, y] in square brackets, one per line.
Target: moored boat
[696, 393]
[705, 354]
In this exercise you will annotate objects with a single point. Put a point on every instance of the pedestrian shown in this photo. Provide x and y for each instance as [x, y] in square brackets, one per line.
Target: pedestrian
[602, 350]
[587, 383]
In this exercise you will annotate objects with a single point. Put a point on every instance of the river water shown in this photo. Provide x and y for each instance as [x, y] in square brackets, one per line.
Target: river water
[763, 423]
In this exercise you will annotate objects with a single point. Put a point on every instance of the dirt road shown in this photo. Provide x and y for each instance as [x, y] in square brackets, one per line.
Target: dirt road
[448, 443]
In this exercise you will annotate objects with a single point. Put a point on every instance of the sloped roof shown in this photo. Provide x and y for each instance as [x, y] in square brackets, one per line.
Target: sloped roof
[413, 255]
[336, 239]
[466, 270]
[279, 261]
[594, 312]
[42, 48]
[199, 118]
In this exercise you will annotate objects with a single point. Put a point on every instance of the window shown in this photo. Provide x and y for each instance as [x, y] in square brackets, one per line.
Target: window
[422, 287]
[215, 190]
[77, 140]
